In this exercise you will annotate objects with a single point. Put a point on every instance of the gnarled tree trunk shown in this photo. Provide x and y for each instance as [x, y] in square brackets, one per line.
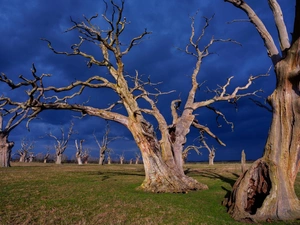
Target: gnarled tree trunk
[270, 180]
[5, 150]
[162, 173]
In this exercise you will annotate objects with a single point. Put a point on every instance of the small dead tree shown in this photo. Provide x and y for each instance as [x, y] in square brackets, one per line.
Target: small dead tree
[243, 161]
[211, 150]
[137, 158]
[24, 152]
[61, 142]
[85, 156]
[47, 155]
[31, 156]
[103, 146]
[187, 150]
[121, 157]
[79, 151]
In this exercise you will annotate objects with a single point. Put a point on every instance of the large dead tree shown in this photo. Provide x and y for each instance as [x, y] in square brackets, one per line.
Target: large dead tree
[162, 158]
[266, 191]
[61, 142]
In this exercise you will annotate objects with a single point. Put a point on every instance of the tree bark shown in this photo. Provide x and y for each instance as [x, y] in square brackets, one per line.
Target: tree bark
[58, 158]
[102, 158]
[243, 161]
[270, 180]
[78, 157]
[162, 174]
[211, 158]
[5, 150]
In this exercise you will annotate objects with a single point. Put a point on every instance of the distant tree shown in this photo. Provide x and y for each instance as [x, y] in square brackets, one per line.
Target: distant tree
[61, 142]
[267, 190]
[79, 151]
[122, 158]
[137, 158]
[162, 158]
[24, 152]
[103, 146]
[243, 161]
[85, 156]
[211, 150]
[187, 150]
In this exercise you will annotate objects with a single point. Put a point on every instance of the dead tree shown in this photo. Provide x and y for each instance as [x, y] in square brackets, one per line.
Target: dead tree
[47, 155]
[13, 112]
[103, 146]
[266, 191]
[79, 151]
[211, 150]
[243, 161]
[61, 142]
[121, 157]
[31, 156]
[137, 158]
[162, 158]
[187, 150]
[85, 156]
[24, 152]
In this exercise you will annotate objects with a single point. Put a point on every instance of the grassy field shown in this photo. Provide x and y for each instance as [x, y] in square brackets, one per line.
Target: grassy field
[36, 193]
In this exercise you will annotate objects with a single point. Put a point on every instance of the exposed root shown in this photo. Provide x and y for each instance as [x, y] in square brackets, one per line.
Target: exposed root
[174, 185]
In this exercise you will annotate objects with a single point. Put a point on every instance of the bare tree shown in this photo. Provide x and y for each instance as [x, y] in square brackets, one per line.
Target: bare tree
[26, 147]
[266, 191]
[47, 155]
[103, 146]
[162, 158]
[85, 156]
[13, 112]
[243, 161]
[187, 150]
[211, 150]
[121, 157]
[61, 142]
[137, 158]
[79, 151]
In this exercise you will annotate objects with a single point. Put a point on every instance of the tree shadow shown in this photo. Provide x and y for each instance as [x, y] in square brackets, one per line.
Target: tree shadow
[214, 175]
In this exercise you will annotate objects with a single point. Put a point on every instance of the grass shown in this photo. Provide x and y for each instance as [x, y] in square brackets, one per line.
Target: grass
[36, 193]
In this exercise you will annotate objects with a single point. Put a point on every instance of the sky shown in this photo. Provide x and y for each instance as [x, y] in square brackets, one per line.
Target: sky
[24, 23]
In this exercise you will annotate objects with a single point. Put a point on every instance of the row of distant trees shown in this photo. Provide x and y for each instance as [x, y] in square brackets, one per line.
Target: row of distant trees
[82, 155]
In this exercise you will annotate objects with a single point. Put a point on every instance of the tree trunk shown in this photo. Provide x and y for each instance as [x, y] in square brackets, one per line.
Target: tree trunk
[243, 161]
[266, 191]
[211, 158]
[162, 174]
[78, 157]
[58, 158]
[5, 150]
[22, 157]
[102, 158]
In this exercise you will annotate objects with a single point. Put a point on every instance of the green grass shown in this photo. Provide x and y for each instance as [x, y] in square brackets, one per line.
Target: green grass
[36, 193]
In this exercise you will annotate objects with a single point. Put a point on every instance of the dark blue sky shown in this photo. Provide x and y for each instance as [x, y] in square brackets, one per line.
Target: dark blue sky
[23, 23]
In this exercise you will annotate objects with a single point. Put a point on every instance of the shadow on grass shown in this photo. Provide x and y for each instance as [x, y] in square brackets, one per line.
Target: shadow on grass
[214, 175]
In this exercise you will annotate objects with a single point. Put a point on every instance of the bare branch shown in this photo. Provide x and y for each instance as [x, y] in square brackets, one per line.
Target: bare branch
[280, 25]
[260, 27]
